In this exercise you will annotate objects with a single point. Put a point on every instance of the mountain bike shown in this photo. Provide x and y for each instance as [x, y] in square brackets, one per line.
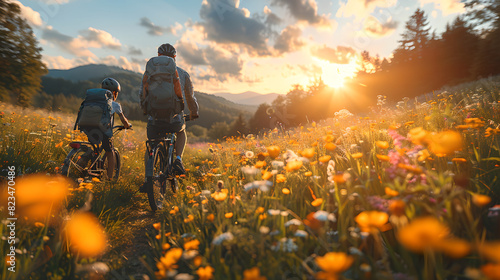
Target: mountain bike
[161, 159]
[89, 160]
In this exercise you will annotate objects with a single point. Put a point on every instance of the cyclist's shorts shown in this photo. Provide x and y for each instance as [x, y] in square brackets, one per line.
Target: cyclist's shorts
[96, 137]
[158, 128]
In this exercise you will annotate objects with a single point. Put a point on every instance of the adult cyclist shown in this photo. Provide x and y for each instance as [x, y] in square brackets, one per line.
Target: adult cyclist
[157, 128]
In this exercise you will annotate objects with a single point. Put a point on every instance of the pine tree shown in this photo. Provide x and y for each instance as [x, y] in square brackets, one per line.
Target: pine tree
[21, 65]
[415, 37]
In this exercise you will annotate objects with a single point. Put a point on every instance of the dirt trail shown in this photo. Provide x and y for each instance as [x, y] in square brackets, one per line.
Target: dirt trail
[132, 243]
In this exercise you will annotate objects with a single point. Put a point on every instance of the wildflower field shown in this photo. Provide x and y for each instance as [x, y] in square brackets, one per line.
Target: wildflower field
[405, 192]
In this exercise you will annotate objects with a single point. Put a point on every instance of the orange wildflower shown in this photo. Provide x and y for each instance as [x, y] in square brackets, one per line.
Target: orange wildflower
[192, 245]
[391, 192]
[370, 220]
[285, 191]
[330, 146]
[308, 153]
[446, 142]
[491, 271]
[397, 207]
[267, 175]
[357, 155]
[382, 144]
[481, 200]
[211, 217]
[324, 159]
[317, 202]
[429, 234]
[253, 274]
[85, 235]
[39, 196]
[273, 151]
[293, 165]
[228, 215]
[332, 264]
[383, 157]
[280, 178]
[260, 164]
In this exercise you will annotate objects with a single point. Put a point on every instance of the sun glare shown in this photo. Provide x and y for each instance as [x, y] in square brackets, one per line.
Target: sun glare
[334, 75]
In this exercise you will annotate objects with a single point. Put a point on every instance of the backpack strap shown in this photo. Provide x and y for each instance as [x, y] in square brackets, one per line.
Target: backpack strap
[78, 116]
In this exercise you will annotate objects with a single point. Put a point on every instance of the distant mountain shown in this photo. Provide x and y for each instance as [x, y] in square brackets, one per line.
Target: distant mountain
[88, 72]
[249, 97]
[60, 85]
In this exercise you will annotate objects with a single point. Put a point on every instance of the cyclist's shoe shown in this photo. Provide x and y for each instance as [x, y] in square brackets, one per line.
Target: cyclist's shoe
[144, 188]
[178, 167]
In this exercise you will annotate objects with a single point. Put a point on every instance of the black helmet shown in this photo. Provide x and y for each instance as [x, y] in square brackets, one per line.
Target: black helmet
[168, 50]
[111, 84]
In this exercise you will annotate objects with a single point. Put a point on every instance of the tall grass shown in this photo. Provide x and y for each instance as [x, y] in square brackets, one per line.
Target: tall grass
[405, 192]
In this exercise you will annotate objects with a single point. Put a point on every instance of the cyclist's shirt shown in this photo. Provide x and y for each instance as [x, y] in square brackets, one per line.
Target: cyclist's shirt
[116, 108]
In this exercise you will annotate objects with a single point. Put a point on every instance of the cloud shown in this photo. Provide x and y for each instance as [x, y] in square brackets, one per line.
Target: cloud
[60, 62]
[374, 28]
[361, 9]
[341, 55]
[304, 10]
[446, 6]
[289, 40]
[191, 53]
[30, 15]
[100, 38]
[271, 18]
[79, 46]
[223, 64]
[66, 43]
[157, 30]
[223, 22]
[134, 51]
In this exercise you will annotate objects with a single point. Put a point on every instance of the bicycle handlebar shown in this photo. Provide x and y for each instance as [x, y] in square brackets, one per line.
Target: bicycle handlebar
[121, 127]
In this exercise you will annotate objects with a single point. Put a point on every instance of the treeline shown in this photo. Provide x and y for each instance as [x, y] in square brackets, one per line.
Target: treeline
[467, 50]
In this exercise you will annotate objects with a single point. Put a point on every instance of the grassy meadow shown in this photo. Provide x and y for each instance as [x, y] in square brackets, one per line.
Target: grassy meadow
[407, 191]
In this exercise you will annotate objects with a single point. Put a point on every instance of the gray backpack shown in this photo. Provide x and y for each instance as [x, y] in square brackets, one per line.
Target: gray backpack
[161, 102]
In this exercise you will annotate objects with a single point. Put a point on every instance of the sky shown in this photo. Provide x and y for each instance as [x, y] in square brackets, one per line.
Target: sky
[265, 46]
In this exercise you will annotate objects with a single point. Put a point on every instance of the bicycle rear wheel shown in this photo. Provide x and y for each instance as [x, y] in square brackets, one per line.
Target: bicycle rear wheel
[77, 163]
[157, 188]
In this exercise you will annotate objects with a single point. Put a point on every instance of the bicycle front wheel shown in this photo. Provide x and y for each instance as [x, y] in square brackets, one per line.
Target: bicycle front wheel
[157, 188]
[116, 171]
[77, 163]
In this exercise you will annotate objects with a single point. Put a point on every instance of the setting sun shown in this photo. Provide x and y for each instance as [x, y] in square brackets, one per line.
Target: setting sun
[334, 75]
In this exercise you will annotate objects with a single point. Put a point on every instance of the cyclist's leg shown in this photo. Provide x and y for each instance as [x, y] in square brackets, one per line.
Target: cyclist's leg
[107, 145]
[180, 143]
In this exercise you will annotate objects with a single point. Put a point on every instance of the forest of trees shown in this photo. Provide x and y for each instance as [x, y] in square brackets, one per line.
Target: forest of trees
[424, 61]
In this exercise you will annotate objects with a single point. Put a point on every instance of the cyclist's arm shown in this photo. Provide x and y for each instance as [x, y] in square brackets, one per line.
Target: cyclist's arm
[124, 120]
[191, 101]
